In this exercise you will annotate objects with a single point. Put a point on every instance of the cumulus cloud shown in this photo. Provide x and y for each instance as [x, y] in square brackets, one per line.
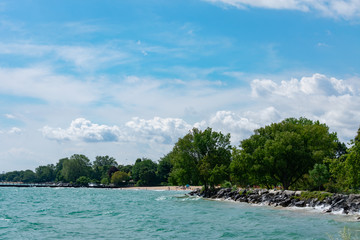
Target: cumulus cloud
[15, 130]
[83, 130]
[332, 101]
[317, 84]
[346, 9]
[242, 125]
[160, 130]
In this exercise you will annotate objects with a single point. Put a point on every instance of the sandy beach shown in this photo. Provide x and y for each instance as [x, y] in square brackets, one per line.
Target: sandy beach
[164, 188]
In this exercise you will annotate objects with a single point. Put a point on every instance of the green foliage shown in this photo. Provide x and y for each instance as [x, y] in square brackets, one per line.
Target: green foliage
[75, 167]
[126, 168]
[101, 161]
[111, 171]
[201, 157]
[144, 172]
[105, 181]
[345, 234]
[346, 169]
[120, 178]
[45, 173]
[164, 168]
[226, 184]
[319, 175]
[28, 176]
[283, 152]
[305, 195]
[83, 181]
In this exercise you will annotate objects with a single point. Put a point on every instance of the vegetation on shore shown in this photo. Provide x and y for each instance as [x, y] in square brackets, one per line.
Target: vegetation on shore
[292, 154]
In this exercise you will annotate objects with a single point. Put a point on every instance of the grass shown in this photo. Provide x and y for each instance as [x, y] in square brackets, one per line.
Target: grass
[345, 234]
[315, 194]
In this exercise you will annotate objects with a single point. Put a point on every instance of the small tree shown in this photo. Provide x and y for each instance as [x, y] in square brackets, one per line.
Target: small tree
[120, 178]
[83, 181]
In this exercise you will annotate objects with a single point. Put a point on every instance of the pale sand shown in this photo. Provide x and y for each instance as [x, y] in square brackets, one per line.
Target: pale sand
[165, 188]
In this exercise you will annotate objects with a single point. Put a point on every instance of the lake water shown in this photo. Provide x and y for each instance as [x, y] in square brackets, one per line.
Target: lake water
[73, 213]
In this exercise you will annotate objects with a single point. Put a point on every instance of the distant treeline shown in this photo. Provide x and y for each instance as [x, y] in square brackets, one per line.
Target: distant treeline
[292, 154]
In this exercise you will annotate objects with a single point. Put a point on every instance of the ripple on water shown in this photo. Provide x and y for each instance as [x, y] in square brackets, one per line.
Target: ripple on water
[40, 213]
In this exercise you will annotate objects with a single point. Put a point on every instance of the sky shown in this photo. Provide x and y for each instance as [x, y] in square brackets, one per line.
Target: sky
[129, 78]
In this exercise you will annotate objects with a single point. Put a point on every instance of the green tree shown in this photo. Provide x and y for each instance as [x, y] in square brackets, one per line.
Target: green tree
[120, 178]
[283, 152]
[58, 170]
[101, 161]
[319, 175]
[76, 166]
[101, 166]
[45, 173]
[164, 168]
[346, 169]
[83, 181]
[144, 172]
[201, 157]
[125, 168]
[28, 176]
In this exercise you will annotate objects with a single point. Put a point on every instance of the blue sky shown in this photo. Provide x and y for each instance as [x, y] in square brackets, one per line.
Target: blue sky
[128, 78]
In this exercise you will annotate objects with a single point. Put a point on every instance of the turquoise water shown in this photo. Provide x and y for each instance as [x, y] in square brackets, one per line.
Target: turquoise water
[66, 213]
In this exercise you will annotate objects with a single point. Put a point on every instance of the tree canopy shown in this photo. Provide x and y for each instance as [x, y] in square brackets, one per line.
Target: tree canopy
[201, 157]
[283, 152]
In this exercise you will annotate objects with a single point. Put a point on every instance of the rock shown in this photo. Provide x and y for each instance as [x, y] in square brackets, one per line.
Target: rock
[285, 203]
[288, 193]
[274, 192]
[300, 204]
[297, 193]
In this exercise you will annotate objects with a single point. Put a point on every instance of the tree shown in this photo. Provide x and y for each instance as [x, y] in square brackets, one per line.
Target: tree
[45, 173]
[28, 176]
[164, 168]
[120, 178]
[101, 166]
[101, 161]
[58, 169]
[346, 169]
[111, 171]
[319, 175]
[125, 168]
[283, 152]
[83, 181]
[201, 157]
[144, 172]
[76, 166]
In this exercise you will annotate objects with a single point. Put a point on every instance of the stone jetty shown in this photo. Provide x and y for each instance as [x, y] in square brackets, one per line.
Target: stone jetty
[329, 202]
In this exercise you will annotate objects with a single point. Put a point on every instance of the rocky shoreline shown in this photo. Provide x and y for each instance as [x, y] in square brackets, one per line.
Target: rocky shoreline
[329, 202]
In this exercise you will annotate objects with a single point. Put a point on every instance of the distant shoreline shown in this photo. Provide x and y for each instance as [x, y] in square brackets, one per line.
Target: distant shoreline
[162, 188]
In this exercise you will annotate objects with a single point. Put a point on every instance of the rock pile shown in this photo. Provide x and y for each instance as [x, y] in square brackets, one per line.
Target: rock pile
[329, 202]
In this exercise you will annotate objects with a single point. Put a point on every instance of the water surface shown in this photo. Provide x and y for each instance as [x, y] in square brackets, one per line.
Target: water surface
[73, 213]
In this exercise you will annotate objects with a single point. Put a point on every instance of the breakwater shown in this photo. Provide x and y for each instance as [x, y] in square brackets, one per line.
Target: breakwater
[329, 202]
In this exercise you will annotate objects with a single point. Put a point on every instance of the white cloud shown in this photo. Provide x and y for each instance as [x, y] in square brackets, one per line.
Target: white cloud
[9, 116]
[42, 83]
[15, 130]
[346, 9]
[241, 126]
[317, 84]
[318, 97]
[83, 130]
[87, 58]
[160, 130]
